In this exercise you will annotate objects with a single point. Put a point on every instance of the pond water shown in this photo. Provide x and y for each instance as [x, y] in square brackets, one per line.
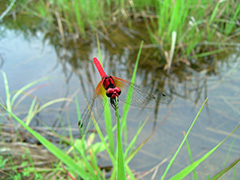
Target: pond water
[71, 72]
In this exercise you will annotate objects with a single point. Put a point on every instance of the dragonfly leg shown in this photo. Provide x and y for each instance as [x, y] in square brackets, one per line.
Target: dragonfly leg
[113, 103]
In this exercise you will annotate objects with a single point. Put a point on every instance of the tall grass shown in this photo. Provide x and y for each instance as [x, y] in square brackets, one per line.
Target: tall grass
[200, 25]
[194, 22]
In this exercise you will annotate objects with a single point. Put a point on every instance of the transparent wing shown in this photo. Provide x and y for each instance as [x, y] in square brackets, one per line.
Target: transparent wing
[141, 96]
[94, 109]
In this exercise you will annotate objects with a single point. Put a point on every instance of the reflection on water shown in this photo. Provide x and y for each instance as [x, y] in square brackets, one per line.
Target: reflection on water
[33, 54]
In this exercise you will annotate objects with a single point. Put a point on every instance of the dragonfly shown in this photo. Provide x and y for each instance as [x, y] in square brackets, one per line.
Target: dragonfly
[116, 88]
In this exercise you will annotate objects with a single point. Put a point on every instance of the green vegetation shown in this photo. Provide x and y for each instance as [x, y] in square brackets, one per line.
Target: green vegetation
[177, 30]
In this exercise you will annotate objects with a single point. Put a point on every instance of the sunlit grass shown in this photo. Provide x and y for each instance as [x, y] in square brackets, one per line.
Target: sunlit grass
[183, 173]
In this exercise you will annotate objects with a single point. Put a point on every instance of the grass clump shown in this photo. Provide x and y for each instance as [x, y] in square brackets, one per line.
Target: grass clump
[197, 28]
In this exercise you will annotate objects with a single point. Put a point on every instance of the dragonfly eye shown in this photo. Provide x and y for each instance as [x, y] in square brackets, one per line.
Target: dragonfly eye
[117, 90]
[109, 92]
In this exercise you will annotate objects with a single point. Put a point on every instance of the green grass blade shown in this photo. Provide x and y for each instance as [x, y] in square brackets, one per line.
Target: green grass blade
[129, 96]
[214, 13]
[79, 17]
[104, 142]
[53, 149]
[218, 175]
[191, 167]
[120, 158]
[230, 26]
[52, 102]
[107, 111]
[229, 151]
[80, 146]
[94, 163]
[130, 173]
[191, 158]
[134, 75]
[8, 95]
[7, 10]
[184, 139]
[208, 53]
[132, 143]
[20, 91]
[108, 125]
[31, 113]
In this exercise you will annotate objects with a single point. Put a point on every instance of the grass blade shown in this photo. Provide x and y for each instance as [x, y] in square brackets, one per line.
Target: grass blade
[31, 112]
[132, 143]
[184, 139]
[191, 167]
[8, 95]
[218, 175]
[7, 10]
[129, 96]
[229, 151]
[191, 158]
[52, 102]
[120, 158]
[20, 91]
[53, 149]
[107, 111]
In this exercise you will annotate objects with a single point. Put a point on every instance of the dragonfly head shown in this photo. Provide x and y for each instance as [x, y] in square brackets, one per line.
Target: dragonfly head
[113, 92]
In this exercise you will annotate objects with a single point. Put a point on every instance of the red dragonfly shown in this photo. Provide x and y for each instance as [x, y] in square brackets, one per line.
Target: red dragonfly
[116, 88]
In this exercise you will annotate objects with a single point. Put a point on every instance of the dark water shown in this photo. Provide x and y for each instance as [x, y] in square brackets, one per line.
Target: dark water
[71, 71]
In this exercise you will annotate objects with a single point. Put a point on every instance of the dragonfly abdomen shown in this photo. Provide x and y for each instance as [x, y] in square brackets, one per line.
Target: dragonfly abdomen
[99, 67]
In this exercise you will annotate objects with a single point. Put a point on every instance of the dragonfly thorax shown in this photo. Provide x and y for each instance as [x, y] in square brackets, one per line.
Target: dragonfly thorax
[111, 90]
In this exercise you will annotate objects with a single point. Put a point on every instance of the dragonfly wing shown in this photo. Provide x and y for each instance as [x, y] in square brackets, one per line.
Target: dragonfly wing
[141, 96]
[93, 110]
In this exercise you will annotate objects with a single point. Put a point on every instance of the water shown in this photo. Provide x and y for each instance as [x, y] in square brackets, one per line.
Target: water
[71, 71]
